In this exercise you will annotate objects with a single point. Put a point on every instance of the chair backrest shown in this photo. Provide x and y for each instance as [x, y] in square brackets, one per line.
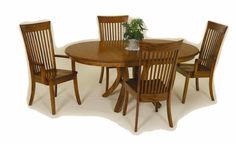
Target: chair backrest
[158, 61]
[211, 44]
[39, 45]
[110, 27]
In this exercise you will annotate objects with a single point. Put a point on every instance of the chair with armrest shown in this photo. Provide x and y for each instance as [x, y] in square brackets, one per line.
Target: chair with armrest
[40, 52]
[156, 74]
[111, 29]
[204, 66]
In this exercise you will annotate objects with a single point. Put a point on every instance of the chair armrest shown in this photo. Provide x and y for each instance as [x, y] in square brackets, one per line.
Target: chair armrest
[61, 56]
[43, 71]
[72, 61]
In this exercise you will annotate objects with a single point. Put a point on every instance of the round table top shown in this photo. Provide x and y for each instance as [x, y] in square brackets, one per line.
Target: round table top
[114, 54]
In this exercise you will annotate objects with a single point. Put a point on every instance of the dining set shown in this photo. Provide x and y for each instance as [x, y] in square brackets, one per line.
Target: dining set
[154, 65]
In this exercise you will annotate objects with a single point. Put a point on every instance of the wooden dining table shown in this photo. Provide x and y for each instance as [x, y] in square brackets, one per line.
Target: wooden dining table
[114, 54]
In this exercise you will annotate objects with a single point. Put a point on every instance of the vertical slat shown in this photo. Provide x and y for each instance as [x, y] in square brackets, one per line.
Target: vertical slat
[48, 49]
[150, 72]
[165, 77]
[113, 31]
[101, 29]
[158, 73]
[37, 47]
[48, 44]
[172, 70]
[32, 55]
[211, 48]
[51, 49]
[205, 44]
[144, 53]
[165, 61]
[119, 29]
[44, 48]
[122, 31]
[104, 32]
[106, 36]
[109, 32]
[154, 73]
[146, 84]
[170, 67]
[208, 43]
[161, 71]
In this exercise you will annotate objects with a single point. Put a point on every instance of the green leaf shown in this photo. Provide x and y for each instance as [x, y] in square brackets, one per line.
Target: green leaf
[134, 29]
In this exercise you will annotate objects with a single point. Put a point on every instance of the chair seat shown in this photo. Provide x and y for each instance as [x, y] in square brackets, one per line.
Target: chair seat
[57, 75]
[188, 70]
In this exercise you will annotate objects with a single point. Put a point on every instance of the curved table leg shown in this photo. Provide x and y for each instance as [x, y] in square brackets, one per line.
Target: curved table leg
[124, 76]
[115, 84]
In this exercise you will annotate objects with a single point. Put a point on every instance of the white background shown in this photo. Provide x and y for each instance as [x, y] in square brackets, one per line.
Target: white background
[74, 20]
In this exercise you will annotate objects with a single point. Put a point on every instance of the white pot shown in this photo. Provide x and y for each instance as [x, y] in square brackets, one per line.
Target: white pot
[133, 44]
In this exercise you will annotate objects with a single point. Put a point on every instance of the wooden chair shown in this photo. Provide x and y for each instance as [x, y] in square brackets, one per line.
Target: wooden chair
[204, 66]
[111, 29]
[157, 69]
[40, 51]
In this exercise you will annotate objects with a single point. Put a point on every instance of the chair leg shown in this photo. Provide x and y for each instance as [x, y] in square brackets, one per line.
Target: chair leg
[52, 97]
[76, 89]
[197, 84]
[169, 112]
[185, 89]
[32, 92]
[107, 78]
[55, 90]
[101, 74]
[136, 117]
[211, 87]
[126, 102]
[156, 106]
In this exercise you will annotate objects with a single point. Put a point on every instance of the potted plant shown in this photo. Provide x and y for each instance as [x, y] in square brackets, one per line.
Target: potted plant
[134, 32]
